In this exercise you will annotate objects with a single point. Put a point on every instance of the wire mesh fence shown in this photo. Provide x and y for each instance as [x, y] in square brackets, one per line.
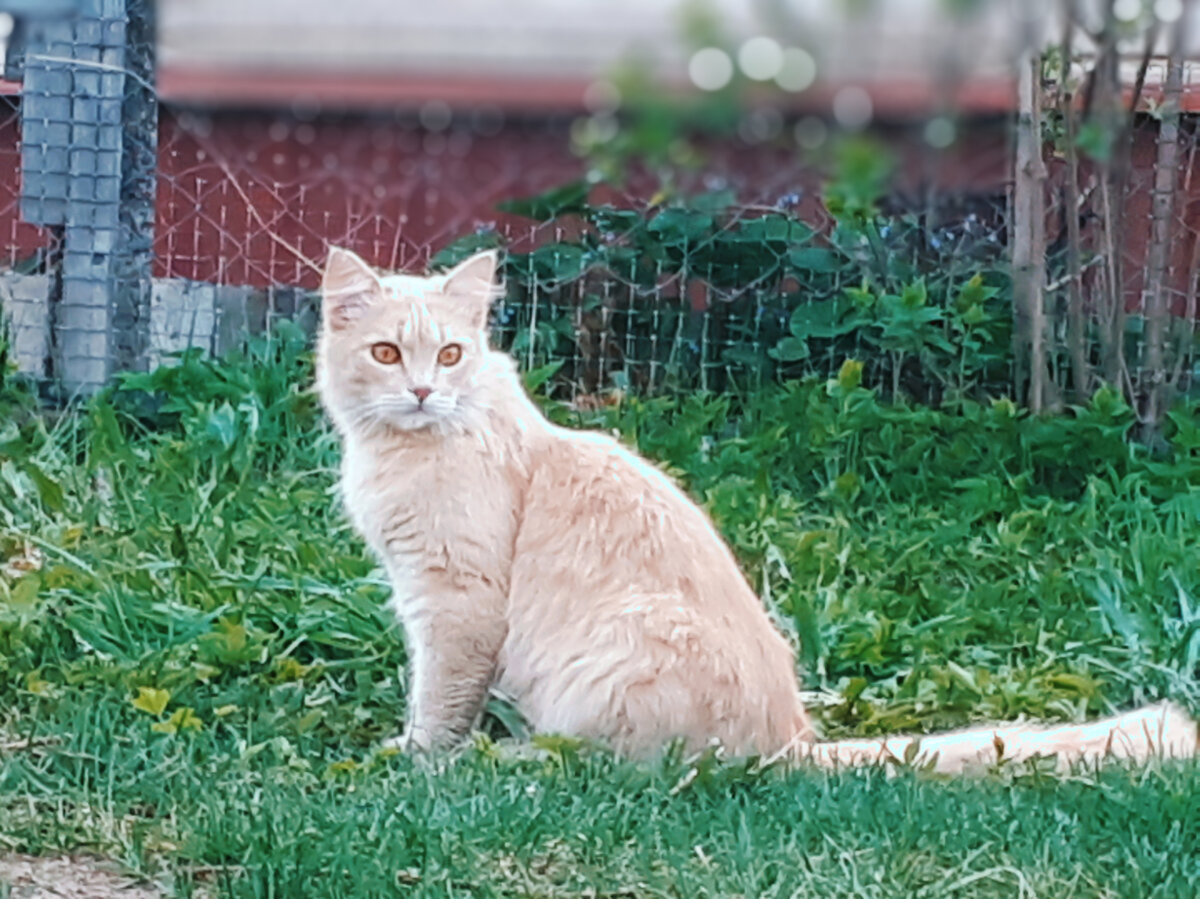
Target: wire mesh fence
[247, 204]
[619, 291]
[143, 230]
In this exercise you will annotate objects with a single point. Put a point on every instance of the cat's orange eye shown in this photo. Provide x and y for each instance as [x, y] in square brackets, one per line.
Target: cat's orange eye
[385, 353]
[449, 354]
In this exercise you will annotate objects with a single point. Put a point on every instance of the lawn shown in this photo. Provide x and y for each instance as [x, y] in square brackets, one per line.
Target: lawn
[196, 667]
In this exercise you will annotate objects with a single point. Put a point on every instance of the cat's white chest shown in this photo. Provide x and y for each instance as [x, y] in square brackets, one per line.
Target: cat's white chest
[428, 515]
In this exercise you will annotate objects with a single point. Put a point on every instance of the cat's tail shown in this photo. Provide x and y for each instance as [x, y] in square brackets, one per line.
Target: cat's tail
[1164, 730]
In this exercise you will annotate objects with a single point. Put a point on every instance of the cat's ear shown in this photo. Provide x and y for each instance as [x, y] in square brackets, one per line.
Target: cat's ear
[472, 285]
[348, 288]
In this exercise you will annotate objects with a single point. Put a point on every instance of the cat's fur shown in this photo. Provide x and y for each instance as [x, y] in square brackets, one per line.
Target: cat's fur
[565, 570]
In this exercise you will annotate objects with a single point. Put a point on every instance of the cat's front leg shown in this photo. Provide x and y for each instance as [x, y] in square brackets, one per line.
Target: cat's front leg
[453, 642]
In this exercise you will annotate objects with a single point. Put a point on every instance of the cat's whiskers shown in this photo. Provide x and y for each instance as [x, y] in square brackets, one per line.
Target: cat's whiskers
[401, 413]
[373, 412]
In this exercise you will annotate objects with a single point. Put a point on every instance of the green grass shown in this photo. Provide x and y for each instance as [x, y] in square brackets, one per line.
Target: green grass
[195, 678]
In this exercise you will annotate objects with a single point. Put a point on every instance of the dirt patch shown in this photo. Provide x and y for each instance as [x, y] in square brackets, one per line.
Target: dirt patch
[69, 877]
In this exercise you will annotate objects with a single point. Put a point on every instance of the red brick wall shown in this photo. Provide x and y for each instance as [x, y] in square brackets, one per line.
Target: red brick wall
[18, 240]
[249, 197]
[252, 198]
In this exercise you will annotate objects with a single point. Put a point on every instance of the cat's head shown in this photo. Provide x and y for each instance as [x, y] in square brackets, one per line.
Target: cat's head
[404, 351]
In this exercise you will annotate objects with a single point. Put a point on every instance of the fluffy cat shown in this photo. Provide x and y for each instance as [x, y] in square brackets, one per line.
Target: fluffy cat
[565, 570]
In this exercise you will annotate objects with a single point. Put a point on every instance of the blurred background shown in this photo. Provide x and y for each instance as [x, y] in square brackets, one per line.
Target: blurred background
[971, 198]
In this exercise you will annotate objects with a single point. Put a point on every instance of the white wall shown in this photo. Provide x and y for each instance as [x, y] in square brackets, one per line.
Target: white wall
[583, 38]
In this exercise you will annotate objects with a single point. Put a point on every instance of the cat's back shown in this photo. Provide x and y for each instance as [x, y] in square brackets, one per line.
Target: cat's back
[629, 618]
[590, 492]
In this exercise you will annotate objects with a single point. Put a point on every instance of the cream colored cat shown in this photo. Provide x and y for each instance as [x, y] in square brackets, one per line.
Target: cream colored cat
[563, 569]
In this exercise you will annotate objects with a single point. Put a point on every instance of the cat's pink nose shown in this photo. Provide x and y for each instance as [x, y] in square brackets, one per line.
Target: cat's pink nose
[422, 393]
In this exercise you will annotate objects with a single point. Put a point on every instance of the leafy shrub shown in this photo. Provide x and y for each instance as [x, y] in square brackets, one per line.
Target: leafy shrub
[704, 293]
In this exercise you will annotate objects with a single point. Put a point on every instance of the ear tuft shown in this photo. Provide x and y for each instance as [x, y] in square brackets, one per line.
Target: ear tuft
[474, 275]
[473, 284]
[348, 288]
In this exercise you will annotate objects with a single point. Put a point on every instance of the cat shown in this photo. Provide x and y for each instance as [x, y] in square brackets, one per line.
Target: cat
[566, 571]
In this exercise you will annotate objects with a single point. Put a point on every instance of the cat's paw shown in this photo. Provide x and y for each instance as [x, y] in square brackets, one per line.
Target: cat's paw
[398, 743]
[410, 742]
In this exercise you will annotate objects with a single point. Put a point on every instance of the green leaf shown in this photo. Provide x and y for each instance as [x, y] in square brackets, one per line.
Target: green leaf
[790, 349]
[610, 218]
[464, 248]
[862, 297]
[778, 228]
[850, 374]
[1115, 614]
[679, 227]
[24, 594]
[823, 319]
[846, 485]
[151, 700]
[863, 167]
[308, 720]
[288, 670]
[914, 295]
[560, 747]
[509, 716]
[183, 719]
[229, 644]
[345, 766]
[912, 750]
[972, 293]
[1076, 683]
[558, 262]
[975, 316]
[37, 685]
[807, 629]
[1095, 140]
[222, 424]
[49, 490]
[854, 689]
[814, 259]
[108, 442]
[543, 207]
